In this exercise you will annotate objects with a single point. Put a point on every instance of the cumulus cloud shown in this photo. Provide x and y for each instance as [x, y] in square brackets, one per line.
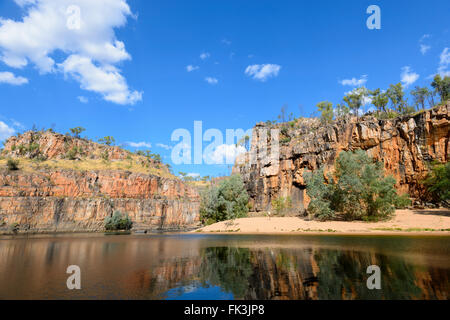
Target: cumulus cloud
[424, 48]
[191, 68]
[10, 78]
[164, 146]
[225, 154]
[5, 131]
[211, 80]
[193, 174]
[444, 62]
[142, 144]
[262, 72]
[205, 55]
[83, 99]
[408, 77]
[83, 32]
[354, 82]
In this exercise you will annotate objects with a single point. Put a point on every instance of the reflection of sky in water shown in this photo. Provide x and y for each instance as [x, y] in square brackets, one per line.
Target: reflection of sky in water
[195, 291]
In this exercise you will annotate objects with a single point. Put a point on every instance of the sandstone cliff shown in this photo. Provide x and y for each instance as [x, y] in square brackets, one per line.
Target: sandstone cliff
[405, 145]
[49, 194]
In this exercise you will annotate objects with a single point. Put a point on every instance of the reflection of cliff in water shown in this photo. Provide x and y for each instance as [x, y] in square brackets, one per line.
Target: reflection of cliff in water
[295, 274]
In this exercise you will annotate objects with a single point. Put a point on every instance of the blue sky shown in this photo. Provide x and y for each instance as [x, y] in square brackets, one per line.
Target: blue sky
[139, 89]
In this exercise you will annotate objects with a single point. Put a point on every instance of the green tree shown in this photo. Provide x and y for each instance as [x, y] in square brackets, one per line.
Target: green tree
[437, 182]
[118, 221]
[355, 99]
[228, 200]
[420, 95]
[77, 131]
[379, 99]
[396, 95]
[326, 111]
[12, 164]
[341, 110]
[108, 140]
[442, 87]
[357, 190]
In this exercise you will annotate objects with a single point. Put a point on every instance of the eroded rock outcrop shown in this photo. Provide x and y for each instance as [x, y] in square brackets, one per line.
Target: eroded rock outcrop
[406, 145]
[41, 198]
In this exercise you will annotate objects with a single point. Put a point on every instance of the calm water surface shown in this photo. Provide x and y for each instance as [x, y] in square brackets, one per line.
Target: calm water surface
[181, 266]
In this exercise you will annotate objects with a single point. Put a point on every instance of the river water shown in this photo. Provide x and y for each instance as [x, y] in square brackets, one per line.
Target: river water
[194, 266]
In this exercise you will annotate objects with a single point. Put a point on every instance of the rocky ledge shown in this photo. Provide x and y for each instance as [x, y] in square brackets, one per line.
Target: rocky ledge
[406, 145]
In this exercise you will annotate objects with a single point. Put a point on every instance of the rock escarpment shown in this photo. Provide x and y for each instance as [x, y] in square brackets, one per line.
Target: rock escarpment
[52, 199]
[406, 145]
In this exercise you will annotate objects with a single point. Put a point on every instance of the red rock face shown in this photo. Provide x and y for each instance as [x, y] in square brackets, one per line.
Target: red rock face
[69, 200]
[406, 145]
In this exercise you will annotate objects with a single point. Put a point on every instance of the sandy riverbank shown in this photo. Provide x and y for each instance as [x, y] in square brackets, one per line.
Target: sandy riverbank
[429, 221]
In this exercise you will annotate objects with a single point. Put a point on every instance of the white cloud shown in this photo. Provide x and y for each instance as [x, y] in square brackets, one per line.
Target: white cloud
[211, 80]
[425, 36]
[444, 62]
[193, 175]
[105, 80]
[10, 78]
[142, 144]
[5, 131]
[424, 48]
[225, 154]
[262, 72]
[226, 41]
[354, 82]
[408, 77]
[87, 41]
[191, 68]
[205, 55]
[83, 99]
[164, 146]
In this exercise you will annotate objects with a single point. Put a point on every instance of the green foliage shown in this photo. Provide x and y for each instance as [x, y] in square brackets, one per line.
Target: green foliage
[118, 221]
[341, 110]
[108, 140]
[437, 182]
[72, 153]
[420, 95]
[396, 95]
[379, 99]
[281, 204]
[12, 164]
[355, 99]
[442, 87]
[402, 201]
[326, 111]
[105, 155]
[77, 131]
[14, 227]
[228, 200]
[358, 190]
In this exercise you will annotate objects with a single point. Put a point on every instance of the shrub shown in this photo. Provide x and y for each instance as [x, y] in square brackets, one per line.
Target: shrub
[12, 164]
[14, 227]
[118, 221]
[72, 153]
[437, 182]
[358, 190]
[281, 204]
[228, 200]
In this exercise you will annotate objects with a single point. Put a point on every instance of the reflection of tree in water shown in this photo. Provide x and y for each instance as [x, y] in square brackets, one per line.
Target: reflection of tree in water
[227, 267]
[343, 275]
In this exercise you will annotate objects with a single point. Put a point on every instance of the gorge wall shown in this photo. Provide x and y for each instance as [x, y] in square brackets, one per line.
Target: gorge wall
[52, 199]
[406, 145]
